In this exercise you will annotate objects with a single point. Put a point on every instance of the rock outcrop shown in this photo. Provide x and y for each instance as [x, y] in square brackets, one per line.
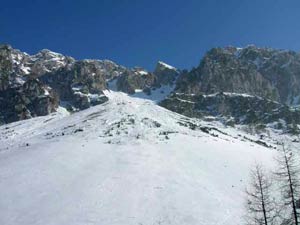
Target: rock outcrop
[135, 79]
[34, 85]
[268, 73]
[232, 108]
[81, 84]
[26, 101]
[166, 74]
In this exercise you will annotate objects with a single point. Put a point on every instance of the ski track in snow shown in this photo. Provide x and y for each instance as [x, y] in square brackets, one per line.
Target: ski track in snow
[127, 161]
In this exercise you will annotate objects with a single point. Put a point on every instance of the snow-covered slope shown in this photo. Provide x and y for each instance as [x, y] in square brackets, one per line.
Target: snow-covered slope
[127, 161]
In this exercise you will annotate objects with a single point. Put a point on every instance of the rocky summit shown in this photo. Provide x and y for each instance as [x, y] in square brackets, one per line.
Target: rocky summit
[265, 72]
[35, 85]
[250, 86]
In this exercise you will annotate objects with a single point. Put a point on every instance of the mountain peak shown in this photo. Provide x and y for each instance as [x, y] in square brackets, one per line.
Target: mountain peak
[164, 65]
[46, 53]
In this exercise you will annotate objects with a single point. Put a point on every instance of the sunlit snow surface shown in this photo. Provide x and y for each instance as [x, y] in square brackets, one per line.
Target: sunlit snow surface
[125, 162]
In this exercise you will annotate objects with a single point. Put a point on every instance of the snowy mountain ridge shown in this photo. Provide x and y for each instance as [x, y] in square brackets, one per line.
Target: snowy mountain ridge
[268, 74]
[79, 84]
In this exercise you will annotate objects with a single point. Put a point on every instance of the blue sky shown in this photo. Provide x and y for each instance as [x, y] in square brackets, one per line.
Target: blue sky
[140, 32]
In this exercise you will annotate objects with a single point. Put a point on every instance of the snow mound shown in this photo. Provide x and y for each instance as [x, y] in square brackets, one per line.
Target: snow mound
[127, 161]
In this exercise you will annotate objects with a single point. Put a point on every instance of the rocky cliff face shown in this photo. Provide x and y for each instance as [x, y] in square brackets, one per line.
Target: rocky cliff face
[81, 83]
[28, 100]
[33, 85]
[166, 74]
[135, 79]
[10, 71]
[252, 86]
[235, 85]
[21, 96]
[232, 108]
[140, 79]
[268, 73]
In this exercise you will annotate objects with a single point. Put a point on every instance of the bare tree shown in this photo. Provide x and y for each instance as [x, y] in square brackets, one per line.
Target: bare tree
[260, 205]
[288, 175]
